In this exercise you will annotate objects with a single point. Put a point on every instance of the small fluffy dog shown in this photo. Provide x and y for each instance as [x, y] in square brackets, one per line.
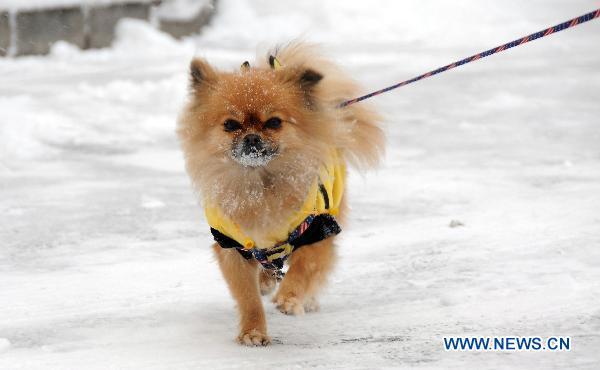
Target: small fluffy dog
[267, 148]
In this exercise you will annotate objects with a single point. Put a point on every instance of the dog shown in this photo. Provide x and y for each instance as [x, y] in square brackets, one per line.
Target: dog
[267, 147]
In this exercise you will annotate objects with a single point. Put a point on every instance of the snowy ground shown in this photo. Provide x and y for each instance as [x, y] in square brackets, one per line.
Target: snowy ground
[104, 258]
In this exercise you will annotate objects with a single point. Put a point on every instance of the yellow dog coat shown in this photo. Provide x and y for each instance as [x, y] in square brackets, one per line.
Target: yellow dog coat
[313, 222]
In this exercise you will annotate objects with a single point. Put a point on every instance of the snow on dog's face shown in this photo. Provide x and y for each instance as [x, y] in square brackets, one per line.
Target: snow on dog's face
[255, 121]
[252, 116]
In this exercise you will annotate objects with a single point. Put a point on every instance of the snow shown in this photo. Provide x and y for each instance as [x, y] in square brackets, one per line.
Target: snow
[4, 344]
[105, 259]
[51, 4]
[181, 9]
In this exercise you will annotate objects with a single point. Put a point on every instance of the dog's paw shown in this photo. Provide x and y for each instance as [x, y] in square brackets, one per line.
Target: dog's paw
[289, 304]
[267, 283]
[253, 337]
[311, 305]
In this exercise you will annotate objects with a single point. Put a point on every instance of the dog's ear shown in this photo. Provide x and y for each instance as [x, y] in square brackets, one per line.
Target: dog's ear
[309, 79]
[201, 74]
[306, 79]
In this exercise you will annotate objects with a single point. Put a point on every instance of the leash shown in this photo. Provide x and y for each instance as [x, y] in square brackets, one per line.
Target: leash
[543, 33]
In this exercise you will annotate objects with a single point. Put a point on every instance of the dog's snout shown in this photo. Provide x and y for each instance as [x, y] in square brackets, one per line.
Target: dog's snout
[252, 141]
[252, 150]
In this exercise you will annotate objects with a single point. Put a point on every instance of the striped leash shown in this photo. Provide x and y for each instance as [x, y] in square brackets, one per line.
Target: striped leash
[543, 33]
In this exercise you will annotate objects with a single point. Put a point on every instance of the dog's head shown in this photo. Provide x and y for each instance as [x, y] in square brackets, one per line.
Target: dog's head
[252, 117]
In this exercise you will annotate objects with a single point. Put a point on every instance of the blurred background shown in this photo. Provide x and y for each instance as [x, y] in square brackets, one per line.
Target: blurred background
[483, 219]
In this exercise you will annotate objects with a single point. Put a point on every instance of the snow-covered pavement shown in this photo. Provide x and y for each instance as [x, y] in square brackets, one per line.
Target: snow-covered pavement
[104, 252]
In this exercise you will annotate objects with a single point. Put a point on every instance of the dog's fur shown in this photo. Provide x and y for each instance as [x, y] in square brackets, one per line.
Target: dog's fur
[304, 94]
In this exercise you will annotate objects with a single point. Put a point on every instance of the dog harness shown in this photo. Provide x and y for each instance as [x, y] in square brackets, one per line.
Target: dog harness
[314, 222]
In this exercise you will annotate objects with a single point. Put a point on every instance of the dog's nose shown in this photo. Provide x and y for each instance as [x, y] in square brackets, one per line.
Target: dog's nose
[253, 141]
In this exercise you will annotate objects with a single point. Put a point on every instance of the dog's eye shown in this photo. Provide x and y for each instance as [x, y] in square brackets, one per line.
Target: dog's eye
[232, 125]
[273, 123]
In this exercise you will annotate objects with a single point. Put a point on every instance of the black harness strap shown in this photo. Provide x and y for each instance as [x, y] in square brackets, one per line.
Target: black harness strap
[322, 227]
[325, 195]
[227, 242]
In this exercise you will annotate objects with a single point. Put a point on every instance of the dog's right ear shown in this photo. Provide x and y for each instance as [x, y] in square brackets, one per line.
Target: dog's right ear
[201, 74]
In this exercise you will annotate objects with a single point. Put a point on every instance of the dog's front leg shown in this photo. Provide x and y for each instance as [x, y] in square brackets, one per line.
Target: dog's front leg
[309, 268]
[241, 276]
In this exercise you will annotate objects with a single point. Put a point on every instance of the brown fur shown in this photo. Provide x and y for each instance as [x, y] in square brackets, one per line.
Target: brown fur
[258, 198]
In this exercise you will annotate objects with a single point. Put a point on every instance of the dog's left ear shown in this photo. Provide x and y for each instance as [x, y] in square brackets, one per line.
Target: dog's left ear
[306, 79]
[309, 79]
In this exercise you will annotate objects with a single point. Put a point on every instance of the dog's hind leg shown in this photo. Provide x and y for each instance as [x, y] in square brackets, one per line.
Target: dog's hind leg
[241, 276]
[309, 268]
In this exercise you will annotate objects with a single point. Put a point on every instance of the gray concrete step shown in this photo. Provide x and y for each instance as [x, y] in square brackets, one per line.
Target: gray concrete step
[87, 26]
